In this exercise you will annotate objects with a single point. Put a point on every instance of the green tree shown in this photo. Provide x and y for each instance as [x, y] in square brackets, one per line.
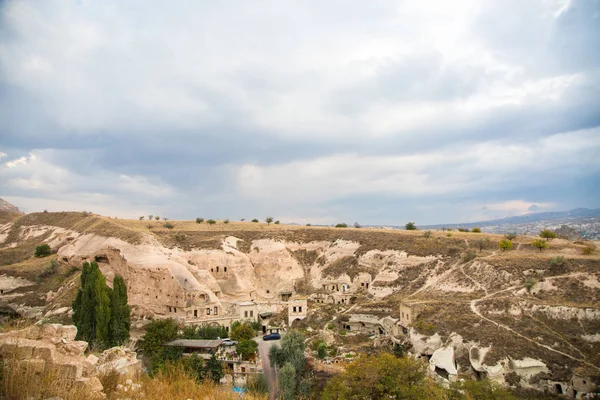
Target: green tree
[157, 217]
[482, 243]
[247, 349]
[505, 244]
[159, 332]
[168, 225]
[194, 365]
[199, 220]
[287, 382]
[511, 235]
[150, 216]
[357, 225]
[42, 250]
[276, 222]
[214, 369]
[242, 332]
[547, 234]
[291, 350]
[268, 220]
[226, 221]
[91, 307]
[101, 296]
[211, 221]
[254, 220]
[342, 225]
[119, 313]
[411, 226]
[541, 244]
[142, 218]
[322, 351]
[258, 385]
[476, 230]
[381, 376]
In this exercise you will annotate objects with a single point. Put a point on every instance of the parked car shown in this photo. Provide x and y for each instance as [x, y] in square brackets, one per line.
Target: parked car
[272, 336]
[229, 342]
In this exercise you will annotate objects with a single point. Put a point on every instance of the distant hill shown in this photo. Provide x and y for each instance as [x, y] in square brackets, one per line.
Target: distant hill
[527, 218]
[8, 212]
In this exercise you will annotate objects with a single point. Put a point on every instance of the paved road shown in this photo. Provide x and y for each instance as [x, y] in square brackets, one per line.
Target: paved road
[268, 371]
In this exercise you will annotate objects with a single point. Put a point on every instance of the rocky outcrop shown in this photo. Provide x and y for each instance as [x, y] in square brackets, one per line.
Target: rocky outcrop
[566, 232]
[51, 350]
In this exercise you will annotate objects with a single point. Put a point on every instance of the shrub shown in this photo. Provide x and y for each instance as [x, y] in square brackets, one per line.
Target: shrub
[468, 256]
[254, 220]
[168, 225]
[247, 349]
[427, 234]
[342, 225]
[211, 221]
[463, 230]
[528, 284]
[199, 220]
[180, 237]
[322, 351]
[343, 332]
[557, 261]
[410, 226]
[505, 244]
[42, 250]
[268, 220]
[476, 230]
[226, 221]
[330, 326]
[242, 332]
[547, 234]
[449, 234]
[511, 236]
[482, 243]
[51, 269]
[156, 217]
[276, 222]
[541, 244]
[308, 225]
[587, 250]
[258, 385]
[142, 218]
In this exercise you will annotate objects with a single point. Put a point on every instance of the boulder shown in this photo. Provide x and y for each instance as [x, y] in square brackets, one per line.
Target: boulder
[443, 358]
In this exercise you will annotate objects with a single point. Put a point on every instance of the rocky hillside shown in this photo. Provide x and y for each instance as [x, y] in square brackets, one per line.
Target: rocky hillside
[525, 311]
[8, 212]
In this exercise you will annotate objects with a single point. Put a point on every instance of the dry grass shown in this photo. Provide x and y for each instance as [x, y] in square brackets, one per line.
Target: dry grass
[175, 384]
[21, 381]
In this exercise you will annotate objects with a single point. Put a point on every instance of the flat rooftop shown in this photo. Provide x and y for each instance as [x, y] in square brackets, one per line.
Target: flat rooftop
[195, 344]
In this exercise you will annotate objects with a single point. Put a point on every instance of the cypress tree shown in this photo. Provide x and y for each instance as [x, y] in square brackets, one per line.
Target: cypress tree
[101, 295]
[119, 313]
[91, 307]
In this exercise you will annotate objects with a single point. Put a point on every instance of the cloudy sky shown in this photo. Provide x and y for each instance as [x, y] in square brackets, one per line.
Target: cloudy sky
[379, 112]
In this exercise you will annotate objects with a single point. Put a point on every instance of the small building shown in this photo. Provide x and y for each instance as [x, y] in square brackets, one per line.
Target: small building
[297, 309]
[191, 346]
[264, 319]
[408, 313]
[248, 310]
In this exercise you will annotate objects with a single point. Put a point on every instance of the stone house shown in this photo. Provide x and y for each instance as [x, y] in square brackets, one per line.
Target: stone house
[297, 309]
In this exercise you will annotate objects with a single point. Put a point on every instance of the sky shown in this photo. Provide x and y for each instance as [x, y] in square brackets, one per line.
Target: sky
[310, 111]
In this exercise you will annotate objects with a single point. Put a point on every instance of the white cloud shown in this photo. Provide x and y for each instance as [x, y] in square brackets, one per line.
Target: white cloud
[451, 171]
